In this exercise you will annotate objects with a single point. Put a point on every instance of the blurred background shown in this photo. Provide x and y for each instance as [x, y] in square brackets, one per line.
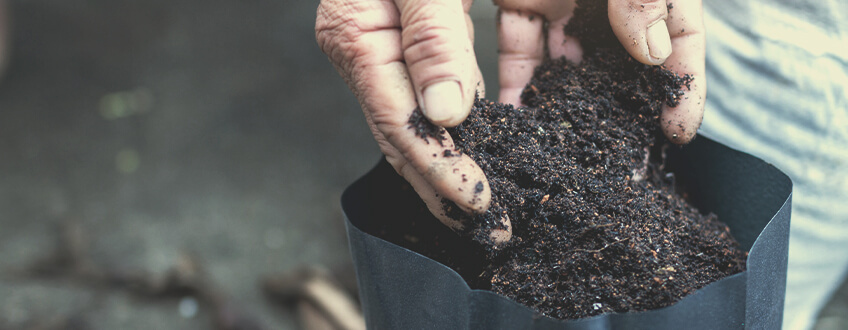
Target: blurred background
[176, 164]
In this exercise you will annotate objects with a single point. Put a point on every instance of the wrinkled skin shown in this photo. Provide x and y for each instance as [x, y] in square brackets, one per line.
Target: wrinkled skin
[400, 55]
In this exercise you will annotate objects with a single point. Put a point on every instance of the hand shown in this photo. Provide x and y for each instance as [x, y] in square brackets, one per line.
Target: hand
[397, 56]
[649, 32]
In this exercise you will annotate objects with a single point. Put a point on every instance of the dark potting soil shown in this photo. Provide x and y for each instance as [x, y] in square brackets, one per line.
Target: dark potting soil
[597, 226]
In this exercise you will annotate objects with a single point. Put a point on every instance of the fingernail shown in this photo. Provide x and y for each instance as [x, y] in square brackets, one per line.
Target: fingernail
[442, 101]
[501, 236]
[659, 42]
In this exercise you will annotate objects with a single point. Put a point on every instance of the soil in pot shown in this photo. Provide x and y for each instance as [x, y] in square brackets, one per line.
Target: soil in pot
[597, 225]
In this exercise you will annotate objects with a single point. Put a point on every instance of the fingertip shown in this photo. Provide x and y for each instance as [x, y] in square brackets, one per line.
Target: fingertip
[451, 121]
[483, 196]
[428, 193]
[510, 96]
[642, 29]
[521, 46]
[479, 199]
[677, 135]
[680, 124]
[503, 235]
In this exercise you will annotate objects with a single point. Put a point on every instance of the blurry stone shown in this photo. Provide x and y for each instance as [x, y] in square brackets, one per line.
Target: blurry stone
[188, 307]
[127, 161]
[127, 103]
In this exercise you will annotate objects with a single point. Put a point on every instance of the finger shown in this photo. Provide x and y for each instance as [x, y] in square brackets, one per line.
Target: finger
[423, 188]
[521, 41]
[551, 10]
[469, 26]
[686, 24]
[431, 198]
[520, 48]
[363, 41]
[454, 176]
[641, 27]
[502, 235]
[440, 58]
[559, 44]
[480, 86]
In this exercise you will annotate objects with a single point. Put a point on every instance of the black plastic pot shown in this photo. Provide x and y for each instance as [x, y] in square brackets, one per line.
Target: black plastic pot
[401, 289]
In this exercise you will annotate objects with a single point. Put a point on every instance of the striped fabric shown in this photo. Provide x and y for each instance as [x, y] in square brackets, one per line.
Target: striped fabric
[777, 76]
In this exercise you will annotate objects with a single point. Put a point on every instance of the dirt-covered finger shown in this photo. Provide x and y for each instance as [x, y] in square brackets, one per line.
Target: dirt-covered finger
[559, 44]
[502, 234]
[556, 14]
[427, 193]
[428, 149]
[435, 203]
[686, 27]
[480, 87]
[498, 235]
[363, 40]
[453, 175]
[520, 49]
[440, 57]
[640, 26]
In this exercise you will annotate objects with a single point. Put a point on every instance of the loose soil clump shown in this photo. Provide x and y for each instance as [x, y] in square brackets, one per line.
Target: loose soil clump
[597, 226]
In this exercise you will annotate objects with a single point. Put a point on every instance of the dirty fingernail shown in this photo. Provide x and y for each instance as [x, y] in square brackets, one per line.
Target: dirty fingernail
[442, 101]
[659, 42]
[501, 236]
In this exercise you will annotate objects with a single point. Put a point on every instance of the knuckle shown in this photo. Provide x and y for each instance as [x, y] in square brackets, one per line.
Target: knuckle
[342, 30]
[337, 32]
[414, 12]
[392, 155]
[334, 29]
[428, 33]
[397, 161]
[390, 132]
[325, 26]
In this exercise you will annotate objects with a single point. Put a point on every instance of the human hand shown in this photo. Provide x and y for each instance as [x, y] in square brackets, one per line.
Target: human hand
[649, 32]
[400, 55]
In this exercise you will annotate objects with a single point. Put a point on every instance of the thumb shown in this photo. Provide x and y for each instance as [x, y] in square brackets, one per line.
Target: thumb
[641, 27]
[440, 58]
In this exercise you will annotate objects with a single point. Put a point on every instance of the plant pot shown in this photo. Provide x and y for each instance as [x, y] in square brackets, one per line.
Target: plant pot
[402, 289]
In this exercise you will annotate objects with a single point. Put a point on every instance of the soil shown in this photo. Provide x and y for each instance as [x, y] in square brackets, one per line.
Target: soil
[597, 226]
[426, 130]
